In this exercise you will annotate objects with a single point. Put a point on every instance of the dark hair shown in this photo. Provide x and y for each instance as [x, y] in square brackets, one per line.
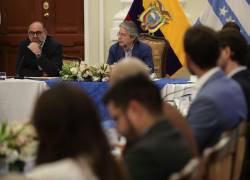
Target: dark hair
[202, 45]
[236, 42]
[68, 126]
[231, 25]
[138, 88]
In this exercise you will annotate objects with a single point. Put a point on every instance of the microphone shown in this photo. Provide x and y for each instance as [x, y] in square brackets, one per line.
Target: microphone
[19, 65]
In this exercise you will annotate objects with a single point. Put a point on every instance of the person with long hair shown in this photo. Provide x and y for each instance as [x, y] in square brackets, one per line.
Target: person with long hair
[72, 144]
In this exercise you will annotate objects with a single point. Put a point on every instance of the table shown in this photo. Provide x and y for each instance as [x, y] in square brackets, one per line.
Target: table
[179, 95]
[17, 97]
[96, 90]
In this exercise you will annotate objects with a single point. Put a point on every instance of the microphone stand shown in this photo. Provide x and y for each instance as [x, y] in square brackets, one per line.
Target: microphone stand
[18, 76]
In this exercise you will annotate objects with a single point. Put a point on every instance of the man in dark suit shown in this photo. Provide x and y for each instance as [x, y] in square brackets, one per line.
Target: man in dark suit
[232, 61]
[128, 45]
[233, 26]
[40, 54]
[154, 148]
[219, 103]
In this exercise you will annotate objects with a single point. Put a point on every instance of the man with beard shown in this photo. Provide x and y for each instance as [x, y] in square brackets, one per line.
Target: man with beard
[155, 149]
[40, 54]
[219, 102]
[232, 60]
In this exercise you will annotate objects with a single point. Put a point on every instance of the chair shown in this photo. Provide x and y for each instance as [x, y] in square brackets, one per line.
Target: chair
[14, 176]
[219, 158]
[68, 59]
[192, 171]
[159, 47]
[180, 123]
[245, 174]
[240, 151]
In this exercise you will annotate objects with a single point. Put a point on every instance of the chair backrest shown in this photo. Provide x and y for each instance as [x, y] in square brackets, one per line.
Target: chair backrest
[219, 158]
[192, 171]
[159, 47]
[179, 122]
[14, 176]
[245, 172]
[68, 59]
[240, 151]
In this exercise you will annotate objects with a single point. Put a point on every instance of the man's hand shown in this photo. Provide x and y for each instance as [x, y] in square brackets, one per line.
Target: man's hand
[35, 48]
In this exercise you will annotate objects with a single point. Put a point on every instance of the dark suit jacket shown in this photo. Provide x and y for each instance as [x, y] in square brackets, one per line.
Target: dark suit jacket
[219, 106]
[140, 50]
[156, 155]
[248, 57]
[50, 60]
[243, 78]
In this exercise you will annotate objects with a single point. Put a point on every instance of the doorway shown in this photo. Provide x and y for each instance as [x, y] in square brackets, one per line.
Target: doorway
[63, 19]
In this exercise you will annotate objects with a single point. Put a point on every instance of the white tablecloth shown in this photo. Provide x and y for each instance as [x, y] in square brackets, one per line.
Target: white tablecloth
[179, 95]
[17, 98]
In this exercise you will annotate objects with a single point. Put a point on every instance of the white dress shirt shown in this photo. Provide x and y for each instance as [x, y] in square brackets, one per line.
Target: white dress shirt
[203, 79]
[129, 52]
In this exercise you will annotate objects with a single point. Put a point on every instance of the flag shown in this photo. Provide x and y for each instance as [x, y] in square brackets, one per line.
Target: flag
[173, 30]
[219, 12]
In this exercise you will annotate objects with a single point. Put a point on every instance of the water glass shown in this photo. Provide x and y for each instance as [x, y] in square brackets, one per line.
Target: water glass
[2, 75]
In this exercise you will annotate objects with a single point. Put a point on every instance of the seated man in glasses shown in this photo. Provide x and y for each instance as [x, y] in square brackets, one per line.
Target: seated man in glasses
[40, 54]
[128, 45]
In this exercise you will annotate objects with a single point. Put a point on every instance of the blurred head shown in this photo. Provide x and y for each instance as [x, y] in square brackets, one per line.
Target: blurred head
[37, 32]
[128, 67]
[233, 47]
[127, 34]
[131, 101]
[68, 126]
[201, 46]
[231, 25]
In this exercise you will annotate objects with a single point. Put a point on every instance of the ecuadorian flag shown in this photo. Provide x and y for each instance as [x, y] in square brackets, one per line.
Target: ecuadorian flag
[173, 31]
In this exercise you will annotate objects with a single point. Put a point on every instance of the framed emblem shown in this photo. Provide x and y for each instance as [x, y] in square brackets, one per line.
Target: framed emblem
[154, 17]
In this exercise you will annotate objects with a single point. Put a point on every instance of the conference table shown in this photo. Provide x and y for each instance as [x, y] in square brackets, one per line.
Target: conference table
[18, 97]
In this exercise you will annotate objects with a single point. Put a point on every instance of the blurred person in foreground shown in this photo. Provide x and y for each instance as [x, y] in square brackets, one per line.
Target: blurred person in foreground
[40, 54]
[133, 66]
[72, 144]
[155, 149]
[128, 67]
[219, 102]
[129, 45]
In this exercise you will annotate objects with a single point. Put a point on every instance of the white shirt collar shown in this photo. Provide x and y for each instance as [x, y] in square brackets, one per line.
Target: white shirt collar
[238, 69]
[203, 79]
[129, 52]
[42, 44]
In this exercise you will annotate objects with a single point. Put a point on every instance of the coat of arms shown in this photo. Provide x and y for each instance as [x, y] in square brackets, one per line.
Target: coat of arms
[154, 17]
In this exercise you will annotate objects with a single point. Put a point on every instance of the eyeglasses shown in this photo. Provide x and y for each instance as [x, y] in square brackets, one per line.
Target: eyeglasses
[37, 33]
[121, 34]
